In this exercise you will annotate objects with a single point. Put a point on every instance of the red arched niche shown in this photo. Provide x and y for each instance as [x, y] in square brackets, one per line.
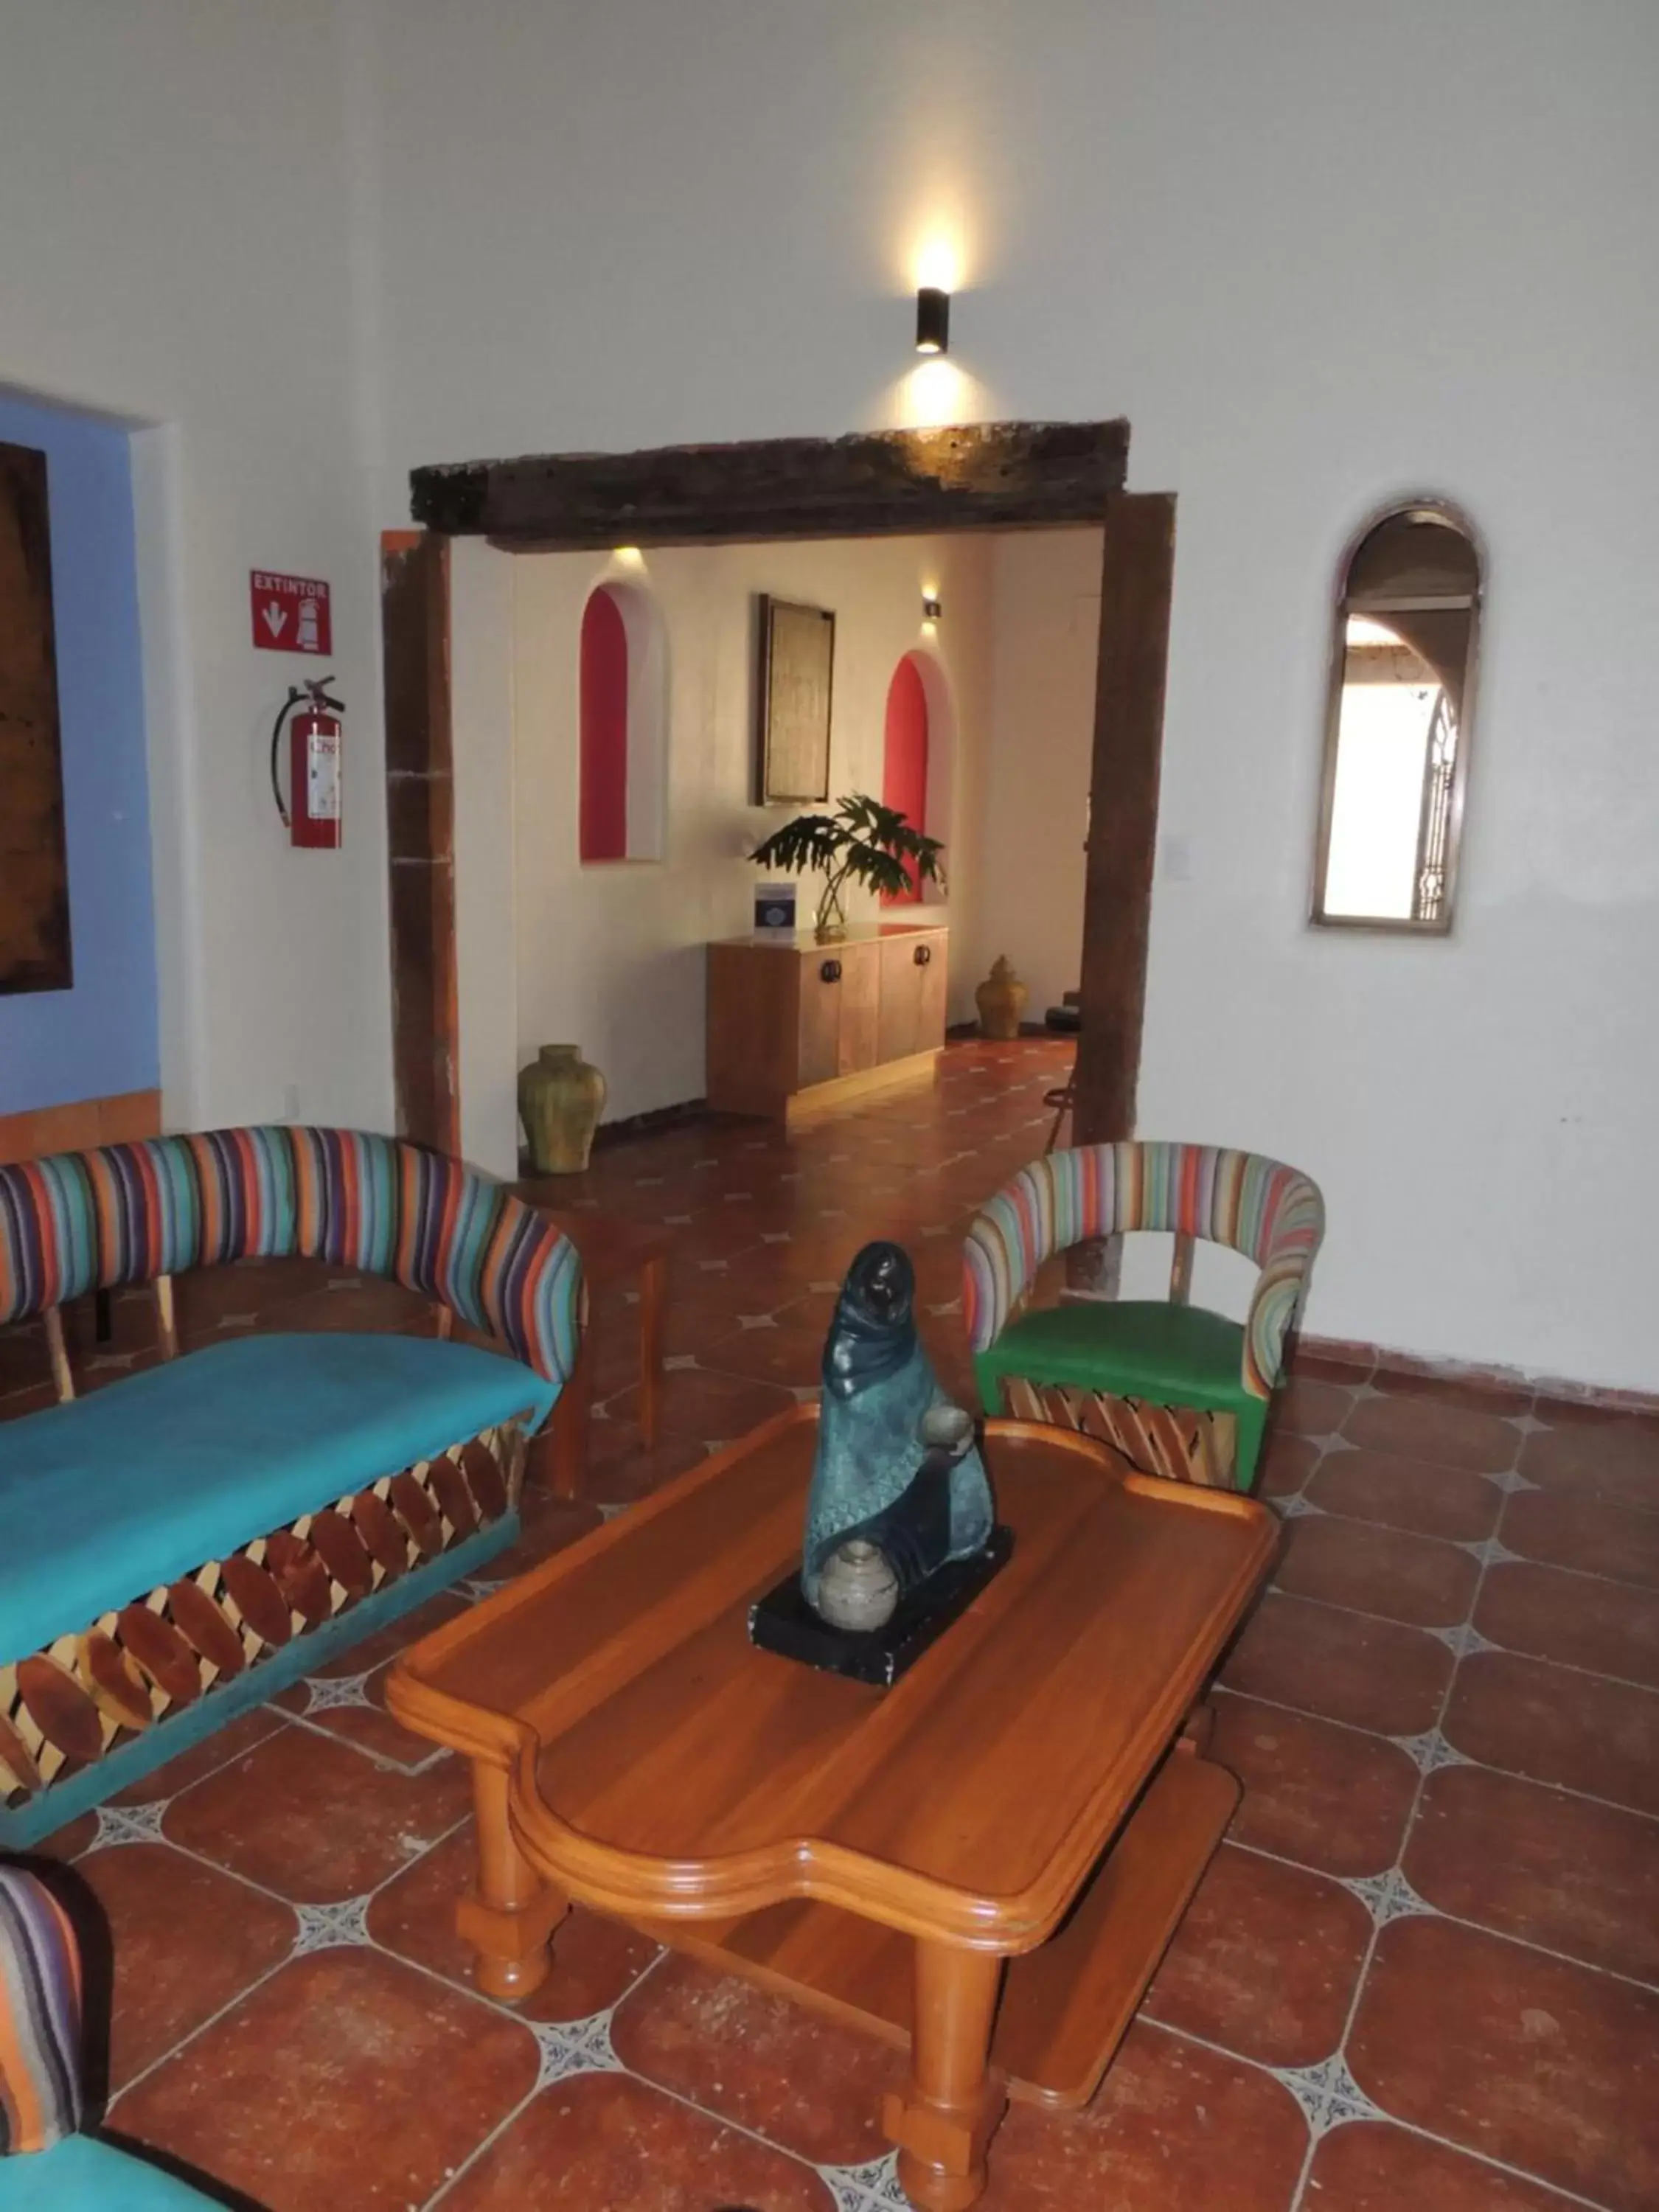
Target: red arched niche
[604, 802]
[904, 760]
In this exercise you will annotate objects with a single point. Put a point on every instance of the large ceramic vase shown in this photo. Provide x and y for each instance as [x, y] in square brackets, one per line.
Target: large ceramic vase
[1001, 1001]
[561, 1098]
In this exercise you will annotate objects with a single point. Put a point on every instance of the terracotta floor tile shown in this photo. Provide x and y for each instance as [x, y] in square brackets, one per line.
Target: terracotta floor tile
[595, 1959]
[551, 1525]
[1553, 1724]
[708, 1406]
[311, 1819]
[1610, 1627]
[1329, 1797]
[1589, 1534]
[1309, 1408]
[1174, 2127]
[366, 1728]
[621, 1468]
[799, 2080]
[346, 2080]
[184, 1940]
[1265, 1961]
[1449, 1436]
[1616, 1460]
[202, 1759]
[790, 1353]
[1544, 2065]
[604, 2143]
[1408, 1493]
[1374, 1675]
[1381, 1571]
[1285, 1465]
[1533, 1862]
[1368, 2167]
[371, 1652]
[68, 1842]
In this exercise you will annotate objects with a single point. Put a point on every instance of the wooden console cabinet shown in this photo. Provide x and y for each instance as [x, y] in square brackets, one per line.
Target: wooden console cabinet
[795, 1026]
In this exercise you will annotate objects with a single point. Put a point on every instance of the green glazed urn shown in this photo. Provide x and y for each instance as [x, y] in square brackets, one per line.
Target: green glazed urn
[561, 1098]
[1001, 1001]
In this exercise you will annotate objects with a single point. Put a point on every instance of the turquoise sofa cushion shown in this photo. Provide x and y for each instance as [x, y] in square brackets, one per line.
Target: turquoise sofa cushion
[85, 2175]
[107, 1496]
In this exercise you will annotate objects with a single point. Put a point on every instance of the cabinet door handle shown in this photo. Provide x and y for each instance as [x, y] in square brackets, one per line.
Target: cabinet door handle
[923, 955]
[831, 972]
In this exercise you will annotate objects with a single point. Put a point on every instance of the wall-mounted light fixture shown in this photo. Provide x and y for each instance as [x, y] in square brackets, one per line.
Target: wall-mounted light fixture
[932, 319]
[931, 607]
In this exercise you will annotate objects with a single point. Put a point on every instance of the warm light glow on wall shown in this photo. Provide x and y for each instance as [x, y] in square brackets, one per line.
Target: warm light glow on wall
[938, 262]
[935, 393]
[629, 556]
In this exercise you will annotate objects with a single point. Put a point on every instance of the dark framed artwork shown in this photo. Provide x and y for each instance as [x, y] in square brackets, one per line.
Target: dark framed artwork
[35, 909]
[797, 669]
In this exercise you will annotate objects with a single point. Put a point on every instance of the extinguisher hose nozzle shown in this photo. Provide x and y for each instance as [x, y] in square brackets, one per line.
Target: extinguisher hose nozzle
[296, 692]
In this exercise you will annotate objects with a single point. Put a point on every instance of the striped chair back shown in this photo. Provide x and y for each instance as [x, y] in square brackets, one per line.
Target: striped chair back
[40, 2016]
[76, 1222]
[1272, 1213]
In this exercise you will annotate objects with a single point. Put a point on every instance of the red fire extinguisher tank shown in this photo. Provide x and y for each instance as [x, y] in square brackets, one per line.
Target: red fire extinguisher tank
[312, 811]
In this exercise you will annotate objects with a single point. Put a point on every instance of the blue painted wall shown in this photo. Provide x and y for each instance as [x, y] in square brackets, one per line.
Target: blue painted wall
[100, 1036]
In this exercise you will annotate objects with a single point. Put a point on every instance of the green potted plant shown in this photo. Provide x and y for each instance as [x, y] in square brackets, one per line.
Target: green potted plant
[862, 840]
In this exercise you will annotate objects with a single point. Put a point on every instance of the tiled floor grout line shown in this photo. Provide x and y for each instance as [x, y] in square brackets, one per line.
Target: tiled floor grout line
[1299, 2194]
[1433, 1911]
[260, 1889]
[1407, 2127]
[1462, 1759]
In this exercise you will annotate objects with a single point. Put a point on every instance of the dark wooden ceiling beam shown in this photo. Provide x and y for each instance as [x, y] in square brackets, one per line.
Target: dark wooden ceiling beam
[985, 476]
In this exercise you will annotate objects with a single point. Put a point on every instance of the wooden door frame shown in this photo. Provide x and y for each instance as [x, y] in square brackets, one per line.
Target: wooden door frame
[993, 475]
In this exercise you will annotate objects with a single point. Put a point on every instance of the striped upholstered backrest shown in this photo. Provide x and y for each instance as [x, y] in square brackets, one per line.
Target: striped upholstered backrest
[40, 2016]
[124, 1213]
[1271, 1213]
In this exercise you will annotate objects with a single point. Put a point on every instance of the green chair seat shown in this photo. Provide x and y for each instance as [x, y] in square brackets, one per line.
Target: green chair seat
[1172, 1355]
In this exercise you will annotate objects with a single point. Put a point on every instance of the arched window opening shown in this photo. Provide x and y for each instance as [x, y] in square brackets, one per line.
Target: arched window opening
[623, 721]
[904, 760]
[1397, 726]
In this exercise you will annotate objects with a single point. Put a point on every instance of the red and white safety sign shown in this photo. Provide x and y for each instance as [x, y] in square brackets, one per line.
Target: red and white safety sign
[290, 613]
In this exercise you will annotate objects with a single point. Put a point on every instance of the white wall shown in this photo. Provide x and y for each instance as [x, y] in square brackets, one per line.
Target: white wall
[1034, 789]
[178, 249]
[646, 223]
[610, 956]
[315, 239]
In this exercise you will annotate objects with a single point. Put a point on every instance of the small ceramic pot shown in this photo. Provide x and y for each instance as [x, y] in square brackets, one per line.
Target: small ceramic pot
[858, 1590]
[561, 1098]
[1001, 1001]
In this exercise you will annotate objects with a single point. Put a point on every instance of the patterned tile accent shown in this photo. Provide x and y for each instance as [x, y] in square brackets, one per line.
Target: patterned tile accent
[1327, 2093]
[129, 1824]
[324, 1691]
[1431, 1751]
[1388, 1896]
[324, 1926]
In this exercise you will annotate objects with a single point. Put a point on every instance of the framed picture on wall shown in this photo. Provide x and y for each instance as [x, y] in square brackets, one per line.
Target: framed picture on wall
[34, 912]
[797, 666]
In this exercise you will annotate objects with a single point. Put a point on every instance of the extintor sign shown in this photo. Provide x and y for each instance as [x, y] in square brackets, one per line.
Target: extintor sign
[290, 613]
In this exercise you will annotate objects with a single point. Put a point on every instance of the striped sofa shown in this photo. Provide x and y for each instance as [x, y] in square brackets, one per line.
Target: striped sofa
[1126, 1368]
[182, 1543]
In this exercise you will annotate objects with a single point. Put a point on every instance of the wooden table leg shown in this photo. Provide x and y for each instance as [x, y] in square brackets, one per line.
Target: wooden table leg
[950, 2113]
[568, 1430]
[508, 1919]
[654, 1277]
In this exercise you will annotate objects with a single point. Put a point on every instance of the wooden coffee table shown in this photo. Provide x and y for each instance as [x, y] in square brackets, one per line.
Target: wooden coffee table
[985, 1863]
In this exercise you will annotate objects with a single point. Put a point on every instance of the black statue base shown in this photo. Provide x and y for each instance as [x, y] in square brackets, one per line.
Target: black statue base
[782, 1621]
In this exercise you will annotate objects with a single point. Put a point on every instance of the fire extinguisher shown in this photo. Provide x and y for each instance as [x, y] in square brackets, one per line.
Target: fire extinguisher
[311, 814]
